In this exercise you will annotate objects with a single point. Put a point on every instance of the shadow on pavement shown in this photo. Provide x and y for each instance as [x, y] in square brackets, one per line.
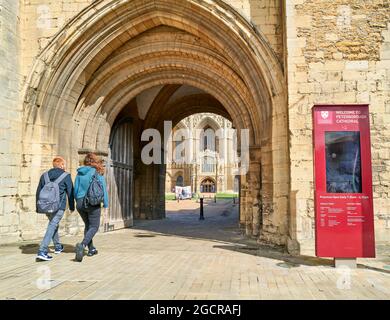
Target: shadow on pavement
[32, 248]
[221, 225]
[363, 266]
[290, 261]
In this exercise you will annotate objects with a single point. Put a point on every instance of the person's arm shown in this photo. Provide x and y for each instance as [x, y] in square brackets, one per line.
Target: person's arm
[76, 186]
[105, 201]
[70, 192]
[39, 188]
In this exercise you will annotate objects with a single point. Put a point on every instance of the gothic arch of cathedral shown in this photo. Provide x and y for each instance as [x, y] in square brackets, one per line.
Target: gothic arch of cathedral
[188, 57]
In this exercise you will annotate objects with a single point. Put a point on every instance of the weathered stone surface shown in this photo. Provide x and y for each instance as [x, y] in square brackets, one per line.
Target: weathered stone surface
[345, 54]
[353, 28]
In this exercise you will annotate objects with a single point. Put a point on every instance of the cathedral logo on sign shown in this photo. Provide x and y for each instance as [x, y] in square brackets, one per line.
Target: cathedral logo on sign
[325, 117]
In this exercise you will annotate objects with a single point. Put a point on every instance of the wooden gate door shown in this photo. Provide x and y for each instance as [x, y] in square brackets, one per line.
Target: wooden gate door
[120, 177]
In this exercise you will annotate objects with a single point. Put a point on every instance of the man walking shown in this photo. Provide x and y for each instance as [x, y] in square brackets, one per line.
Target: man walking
[52, 190]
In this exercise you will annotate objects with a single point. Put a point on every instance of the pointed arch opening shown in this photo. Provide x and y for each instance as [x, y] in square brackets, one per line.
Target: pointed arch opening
[119, 58]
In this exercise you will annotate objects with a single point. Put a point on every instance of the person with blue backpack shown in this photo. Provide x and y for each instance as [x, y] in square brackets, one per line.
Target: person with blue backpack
[90, 193]
[53, 187]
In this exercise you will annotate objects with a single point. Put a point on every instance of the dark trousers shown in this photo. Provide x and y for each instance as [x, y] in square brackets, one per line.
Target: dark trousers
[91, 218]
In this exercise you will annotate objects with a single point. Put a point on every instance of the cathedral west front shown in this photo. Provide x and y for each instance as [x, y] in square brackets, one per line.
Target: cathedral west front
[214, 164]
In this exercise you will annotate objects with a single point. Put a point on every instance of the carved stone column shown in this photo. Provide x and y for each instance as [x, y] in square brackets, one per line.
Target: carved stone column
[254, 184]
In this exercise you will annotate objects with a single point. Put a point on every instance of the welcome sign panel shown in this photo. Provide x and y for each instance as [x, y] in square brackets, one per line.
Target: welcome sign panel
[343, 182]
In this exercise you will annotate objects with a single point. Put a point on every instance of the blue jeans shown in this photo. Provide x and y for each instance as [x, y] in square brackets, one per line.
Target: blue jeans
[52, 232]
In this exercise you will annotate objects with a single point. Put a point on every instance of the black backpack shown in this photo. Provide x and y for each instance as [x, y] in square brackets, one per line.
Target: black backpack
[95, 194]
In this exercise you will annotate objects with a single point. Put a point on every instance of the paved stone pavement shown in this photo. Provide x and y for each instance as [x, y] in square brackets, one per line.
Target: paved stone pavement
[184, 258]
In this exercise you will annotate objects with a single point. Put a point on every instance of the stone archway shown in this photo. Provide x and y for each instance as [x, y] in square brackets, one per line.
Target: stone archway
[179, 180]
[208, 185]
[115, 50]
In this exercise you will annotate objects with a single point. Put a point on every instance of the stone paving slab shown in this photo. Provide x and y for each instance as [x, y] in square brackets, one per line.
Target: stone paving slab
[182, 258]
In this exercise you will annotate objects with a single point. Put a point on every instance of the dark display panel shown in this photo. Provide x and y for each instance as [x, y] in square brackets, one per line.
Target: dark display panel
[343, 162]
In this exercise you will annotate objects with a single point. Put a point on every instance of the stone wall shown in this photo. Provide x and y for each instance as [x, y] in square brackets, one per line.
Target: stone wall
[338, 53]
[40, 21]
[267, 16]
[10, 120]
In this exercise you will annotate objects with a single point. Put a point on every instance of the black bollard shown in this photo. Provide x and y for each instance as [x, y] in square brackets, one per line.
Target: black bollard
[201, 209]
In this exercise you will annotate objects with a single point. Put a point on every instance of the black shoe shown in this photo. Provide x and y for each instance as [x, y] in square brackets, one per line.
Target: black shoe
[79, 252]
[92, 252]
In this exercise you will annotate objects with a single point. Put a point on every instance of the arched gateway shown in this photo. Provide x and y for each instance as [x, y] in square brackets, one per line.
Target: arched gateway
[208, 186]
[153, 61]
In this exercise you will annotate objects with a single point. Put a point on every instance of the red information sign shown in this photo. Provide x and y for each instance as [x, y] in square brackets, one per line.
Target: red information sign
[343, 182]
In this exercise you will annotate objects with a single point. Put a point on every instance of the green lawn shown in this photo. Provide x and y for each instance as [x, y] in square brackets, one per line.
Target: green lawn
[226, 195]
[170, 196]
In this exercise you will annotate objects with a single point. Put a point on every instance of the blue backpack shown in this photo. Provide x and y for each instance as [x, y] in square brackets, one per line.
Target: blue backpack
[49, 197]
[95, 194]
